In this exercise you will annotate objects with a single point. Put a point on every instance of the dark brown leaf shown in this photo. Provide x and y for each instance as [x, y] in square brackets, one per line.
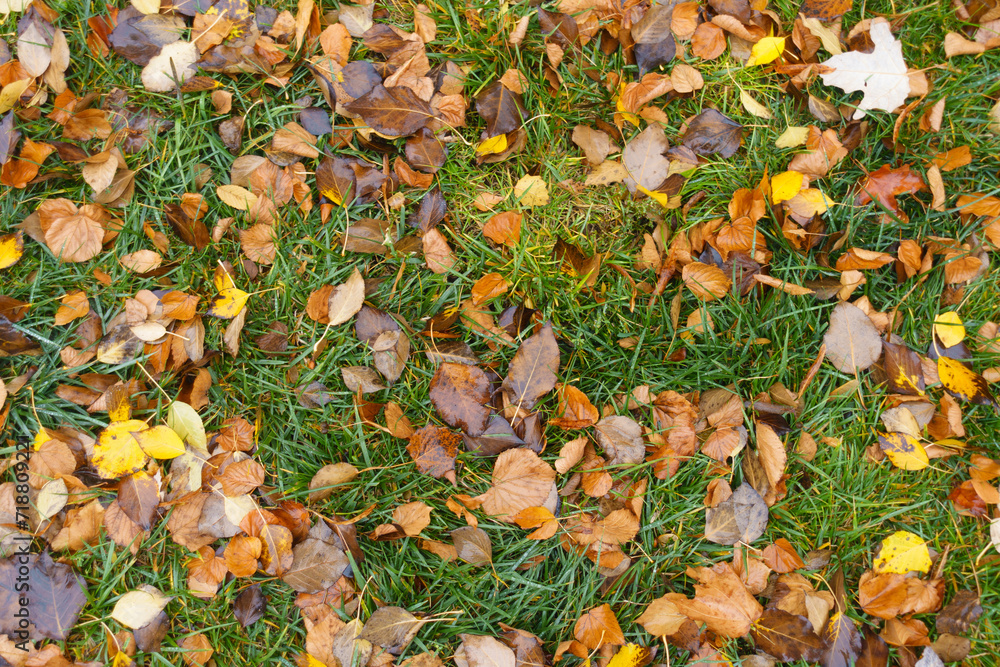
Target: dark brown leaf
[960, 614]
[501, 108]
[316, 565]
[532, 371]
[498, 437]
[56, 594]
[426, 152]
[559, 29]
[904, 373]
[654, 26]
[316, 121]
[138, 37]
[874, 652]
[575, 260]
[394, 112]
[149, 637]
[712, 133]
[392, 628]
[461, 393]
[843, 642]
[192, 231]
[786, 636]
[249, 606]
[431, 210]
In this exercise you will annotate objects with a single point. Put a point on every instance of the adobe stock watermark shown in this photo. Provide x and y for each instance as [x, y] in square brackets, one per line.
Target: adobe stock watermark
[22, 540]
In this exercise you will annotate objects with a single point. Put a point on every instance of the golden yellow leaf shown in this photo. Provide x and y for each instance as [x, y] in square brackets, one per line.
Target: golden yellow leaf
[630, 655]
[117, 452]
[948, 328]
[238, 197]
[766, 50]
[11, 249]
[962, 382]
[661, 198]
[493, 145]
[11, 93]
[902, 552]
[785, 185]
[904, 451]
[229, 303]
[793, 136]
[160, 442]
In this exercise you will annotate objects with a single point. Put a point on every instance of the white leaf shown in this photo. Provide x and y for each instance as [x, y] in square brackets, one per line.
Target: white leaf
[881, 74]
[174, 65]
[136, 609]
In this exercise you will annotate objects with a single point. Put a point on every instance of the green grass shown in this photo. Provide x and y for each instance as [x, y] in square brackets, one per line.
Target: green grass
[837, 501]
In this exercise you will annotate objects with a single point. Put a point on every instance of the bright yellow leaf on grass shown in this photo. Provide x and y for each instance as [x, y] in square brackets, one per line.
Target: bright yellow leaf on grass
[792, 137]
[620, 107]
[766, 50]
[903, 451]
[11, 249]
[306, 660]
[663, 199]
[493, 145]
[902, 552]
[785, 185]
[117, 453]
[229, 303]
[41, 438]
[160, 442]
[630, 655]
[816, 201]
[948, 328]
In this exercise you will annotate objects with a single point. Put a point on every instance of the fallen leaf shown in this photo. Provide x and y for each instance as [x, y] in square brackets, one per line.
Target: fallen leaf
[852, 341]
[58, 594]
[520, 480]
[472, 545]
[461, 393]
[531, 191]
[881, 75]
[711, 132]
[137, 608]
[740, 518]
[598, 627]
[903, 552]
[532, 371]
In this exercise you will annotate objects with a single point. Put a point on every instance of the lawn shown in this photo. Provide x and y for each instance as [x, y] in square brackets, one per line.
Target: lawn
[689, 378]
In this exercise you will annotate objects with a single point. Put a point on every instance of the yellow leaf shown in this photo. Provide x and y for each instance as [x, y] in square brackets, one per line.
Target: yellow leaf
[117, 452]
[223, 280]
[41, 438]
[11, 93]
[493, 145]
[630, 655]
[754, 107]
[11, 249]
[904, 451]
[792, 137]
[238, 197]
[119, 409]
[785, 185]
[121, 660]
[620, 107]
[160, 442]
[661, 198]
[146, 7]
[766, 50]
[962, 382]
[186, 423]
[229, 303]
[948, 328]
[814, 200]
[902, 552]
[306, 660]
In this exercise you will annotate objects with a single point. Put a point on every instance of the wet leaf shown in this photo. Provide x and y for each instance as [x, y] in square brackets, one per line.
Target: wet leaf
[249, 606]
[392, 628]
[712, 133]
[501, 108]
[706, 281]
[722, 602]
[316, 565]
[843, 642]
[621, 439]
[461, 393]
[787, 637]
[904, 373]
[58, 594]
[138, 497]
[532, 371]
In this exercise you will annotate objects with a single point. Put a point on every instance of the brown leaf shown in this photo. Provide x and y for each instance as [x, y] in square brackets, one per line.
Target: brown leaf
[488, 287]
[18, 173]
[346, 299]
[520, 480]
[413, 517]
[197, 650]
[712, 133]
[645, 160]
[740, 518]
[708, 41]
[595, 144]
[782, 558]
[722, 602]
[329, 478]
[393, 112]
[473, 545]
[852, 341]
[138, 497]
[316, 564]
[598, 627]
[461, 393]
[392, 628]
[825, 10]
[532, 371]
[844, 643]
[501, 108]
[81, 529]
[663, 617]
[73, 234]
[787, 637]
[621, 439]
[570, 454]
[437, 252]
[58, 596]
[73, 305]
[425, 151]
[433, 449]
[241, 555]
[482, 651]
[771, 453]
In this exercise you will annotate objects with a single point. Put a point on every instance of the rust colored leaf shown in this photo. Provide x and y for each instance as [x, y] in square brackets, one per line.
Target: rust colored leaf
[461, 393]
[708, 42]
[782, 558]
[825, 10]
[885, 184]
[574, 410]
[433, 449]
[598, 627]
